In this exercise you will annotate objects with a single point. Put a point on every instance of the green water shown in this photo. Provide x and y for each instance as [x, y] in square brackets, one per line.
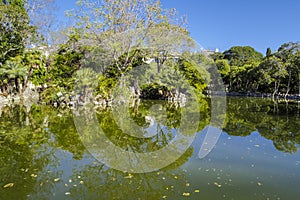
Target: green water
[256, 157]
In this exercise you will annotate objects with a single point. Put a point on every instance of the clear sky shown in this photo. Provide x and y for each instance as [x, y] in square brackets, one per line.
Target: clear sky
[225, 23]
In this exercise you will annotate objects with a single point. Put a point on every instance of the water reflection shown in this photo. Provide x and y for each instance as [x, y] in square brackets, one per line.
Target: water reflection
[275, 121]
[42, 155]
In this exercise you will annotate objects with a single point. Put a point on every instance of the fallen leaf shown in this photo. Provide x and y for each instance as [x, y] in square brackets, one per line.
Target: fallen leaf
[197, 191]
[217, 184]
[259, 184]
[8, 185]
[186, 194]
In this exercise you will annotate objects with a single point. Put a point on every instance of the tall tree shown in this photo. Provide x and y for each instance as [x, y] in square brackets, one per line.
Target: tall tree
[122, 27]
[289, 52]
[272, 70]
[269, 52]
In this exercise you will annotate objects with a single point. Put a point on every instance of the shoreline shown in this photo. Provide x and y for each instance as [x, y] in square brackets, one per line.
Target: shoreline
[265, 95]
[69, 103]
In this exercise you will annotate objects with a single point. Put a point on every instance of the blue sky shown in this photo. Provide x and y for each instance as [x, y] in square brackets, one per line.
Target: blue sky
[225, 23]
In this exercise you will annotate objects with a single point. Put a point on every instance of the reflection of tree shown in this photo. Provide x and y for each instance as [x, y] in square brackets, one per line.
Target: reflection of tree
[65, 134]
[277, 122]
[21, 154]
[100, 182]
[162, 136]
[29, 140]
[166, 119]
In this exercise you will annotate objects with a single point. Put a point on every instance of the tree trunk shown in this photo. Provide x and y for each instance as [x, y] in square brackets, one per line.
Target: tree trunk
[288, 86]
[137, 90]
[276, 86]
[27, 78]
[19, 86]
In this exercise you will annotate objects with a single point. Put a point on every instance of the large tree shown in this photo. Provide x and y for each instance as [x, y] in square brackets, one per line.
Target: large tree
[123, 27]
[15, 29]
[241, 55]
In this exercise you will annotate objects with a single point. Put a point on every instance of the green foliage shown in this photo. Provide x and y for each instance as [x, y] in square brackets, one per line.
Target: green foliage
[65, 63]
[154, 91]
[15, 30]
[249, 72]
[238, 55]
[196, 75]
[223, 67]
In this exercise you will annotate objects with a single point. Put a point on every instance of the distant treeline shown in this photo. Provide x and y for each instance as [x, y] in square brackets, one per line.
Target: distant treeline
[245, 70]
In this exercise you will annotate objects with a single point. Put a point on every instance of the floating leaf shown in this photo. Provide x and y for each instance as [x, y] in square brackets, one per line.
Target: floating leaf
[186, 194]
[33, 175]
[56, 179]
[259, 184]
[217, 184]
[197, 191]
[8, 185]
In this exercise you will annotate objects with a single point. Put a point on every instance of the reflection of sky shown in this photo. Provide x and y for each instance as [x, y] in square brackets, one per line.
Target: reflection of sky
[249, 167]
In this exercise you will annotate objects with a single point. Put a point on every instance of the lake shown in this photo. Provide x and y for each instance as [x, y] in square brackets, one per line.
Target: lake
[44, 154]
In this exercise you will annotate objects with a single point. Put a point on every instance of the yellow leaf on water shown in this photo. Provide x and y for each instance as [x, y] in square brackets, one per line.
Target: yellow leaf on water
[259, 184]
[197, 191]
[164, 197]
[217, 184]
[8, 185]
[186, 194]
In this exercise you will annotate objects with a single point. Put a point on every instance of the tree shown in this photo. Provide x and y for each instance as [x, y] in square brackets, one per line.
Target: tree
[13, 71]
[223, 67]
[289, 52]
[15, 34]
[240, 55]
[123, 27]
[15, 29]
[42, 15]
[272, 70]
[269, 52]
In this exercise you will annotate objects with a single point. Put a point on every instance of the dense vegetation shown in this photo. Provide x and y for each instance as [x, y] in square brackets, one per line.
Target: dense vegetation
[119, 44]
[247, 71]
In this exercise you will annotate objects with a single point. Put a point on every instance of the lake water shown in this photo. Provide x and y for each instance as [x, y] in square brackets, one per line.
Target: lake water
[42, 156]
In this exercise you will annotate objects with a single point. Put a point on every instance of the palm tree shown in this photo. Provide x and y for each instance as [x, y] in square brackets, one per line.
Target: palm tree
[14, 71]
